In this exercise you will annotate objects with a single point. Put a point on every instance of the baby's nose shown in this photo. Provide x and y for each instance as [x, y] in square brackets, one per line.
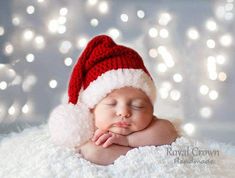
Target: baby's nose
[123, 111]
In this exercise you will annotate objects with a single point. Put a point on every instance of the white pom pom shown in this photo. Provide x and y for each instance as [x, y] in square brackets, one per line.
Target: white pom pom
[71, 125]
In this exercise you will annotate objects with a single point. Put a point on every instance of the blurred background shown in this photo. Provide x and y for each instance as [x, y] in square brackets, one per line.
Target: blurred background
[187, 45]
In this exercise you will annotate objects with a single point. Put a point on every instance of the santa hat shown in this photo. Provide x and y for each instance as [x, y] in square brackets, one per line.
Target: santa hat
[102, 67]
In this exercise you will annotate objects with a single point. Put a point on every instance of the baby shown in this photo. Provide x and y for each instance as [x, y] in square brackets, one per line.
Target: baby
[110, 109]
[124, 120]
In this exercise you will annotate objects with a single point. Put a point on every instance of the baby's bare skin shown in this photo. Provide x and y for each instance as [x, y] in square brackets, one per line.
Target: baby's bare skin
[99, 155]
[159, 132]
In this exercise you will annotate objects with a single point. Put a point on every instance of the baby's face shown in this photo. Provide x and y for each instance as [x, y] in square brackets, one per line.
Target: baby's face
[124, 111]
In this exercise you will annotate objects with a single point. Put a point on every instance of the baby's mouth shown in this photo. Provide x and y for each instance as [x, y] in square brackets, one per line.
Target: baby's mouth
[122, 124]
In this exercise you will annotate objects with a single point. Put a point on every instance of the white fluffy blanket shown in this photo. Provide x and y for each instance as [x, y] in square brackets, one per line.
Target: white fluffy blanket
[30, 154]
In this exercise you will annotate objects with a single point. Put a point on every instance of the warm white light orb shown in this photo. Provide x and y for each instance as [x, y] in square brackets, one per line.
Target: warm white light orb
[25, 109]
[164, 19]
[92, 2]
[62, 20]
[103, 7]
[177, 78]
[3, 85]
[222, 76]
[213, 94]
[8, 50]
[30, 9]
[1, 31]
[53, 26]
[94, 22]
[161, 67]
[28, 35]
[68, 61]
[12, 110]
[15, 20]
[164, 33]
[124, 17]
[153, 33]
[175, 95]
[81, 42]
[53, 84]
[163, 93]
[206, 112]
[211, 25]
[220, 59]
[30, 57]
[65, 46]
[153, 53]
[140, 14]
[226, 40]
[114, 33]
[61, 29]
[189, 128]
[193, 34]
[39, 42]
[210, 43]
[204, 89]
[63, 11]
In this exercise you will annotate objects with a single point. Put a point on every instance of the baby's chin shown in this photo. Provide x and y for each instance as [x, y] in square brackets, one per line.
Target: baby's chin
[121, 131]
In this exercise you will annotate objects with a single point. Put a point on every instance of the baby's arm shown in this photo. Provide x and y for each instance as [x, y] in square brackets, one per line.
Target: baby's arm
[159, 132]
[100, 155]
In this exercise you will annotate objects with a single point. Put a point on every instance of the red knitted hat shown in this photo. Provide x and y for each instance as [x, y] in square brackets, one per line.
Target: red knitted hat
[102, 67]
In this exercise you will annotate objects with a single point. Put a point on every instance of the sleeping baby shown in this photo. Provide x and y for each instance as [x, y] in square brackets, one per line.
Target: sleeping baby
[112, 94]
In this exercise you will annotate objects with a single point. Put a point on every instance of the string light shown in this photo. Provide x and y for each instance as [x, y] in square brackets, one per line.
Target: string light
[94, 22]
[220, 59]
[140, 14]
[63, 11]
[39, 42]
[1, 31]
[25, 109]
[28, 35]
[103, 7]
[161, 67]
[189, 128]
[68, 61]
[164, 33]
[226, 40]
[177, 78]
[153, 33]
[92, 2]
[30, 9]
[210, 43]
[167, 57]
[114, 33]
[8, 50]
[164, 19]
[3, 85]
[175, 95]
[124, 17]
[211, 67]
[204, 89]
[12, 111]
[81, 42]
[53, 83]
[213, 94]
[30, 57]
[153, 53]
[193, 34]
[16, 20]
[222, 76]
[206, 112]
[65, 46]
[211, 25]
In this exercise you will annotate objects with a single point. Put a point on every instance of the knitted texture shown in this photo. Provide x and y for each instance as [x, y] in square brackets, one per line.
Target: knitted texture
[102, 54]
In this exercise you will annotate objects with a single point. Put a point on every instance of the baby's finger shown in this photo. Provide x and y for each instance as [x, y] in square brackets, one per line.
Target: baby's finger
[102, 138]
[97, 134]
[108, 142]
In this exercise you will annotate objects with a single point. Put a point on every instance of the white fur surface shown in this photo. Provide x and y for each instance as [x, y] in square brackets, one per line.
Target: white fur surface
[31, 154]
[70, 125]
[115, 79]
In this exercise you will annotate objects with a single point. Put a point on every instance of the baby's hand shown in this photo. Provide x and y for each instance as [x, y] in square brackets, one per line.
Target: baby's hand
[108, 138]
